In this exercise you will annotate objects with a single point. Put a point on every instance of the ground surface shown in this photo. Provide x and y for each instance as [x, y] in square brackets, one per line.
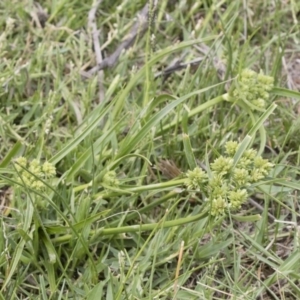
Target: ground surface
[123, 99]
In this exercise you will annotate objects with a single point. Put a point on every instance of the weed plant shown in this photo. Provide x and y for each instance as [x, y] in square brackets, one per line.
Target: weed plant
[178, 186]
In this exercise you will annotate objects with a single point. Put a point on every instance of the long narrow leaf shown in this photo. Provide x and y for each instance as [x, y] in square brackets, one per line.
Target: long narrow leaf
[75, 142]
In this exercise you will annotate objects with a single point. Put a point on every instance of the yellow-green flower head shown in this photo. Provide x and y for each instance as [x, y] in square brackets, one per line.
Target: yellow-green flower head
[237, 198]
[244, 163]
[230, 191]
[266, 81]
[27, 180]
[250, 154]
[256, 175]
[262, 165]
[247, 76]
[231, 148]
[35, 167]
[260, 103]
[219, 191]
[35, 172]
[216, 180]
[222, 165]
[241, 177]
[37, 185]
[195, 179]
[254, 88]
[21, 161]
[48, 169]
[110, 179]
[218, 207]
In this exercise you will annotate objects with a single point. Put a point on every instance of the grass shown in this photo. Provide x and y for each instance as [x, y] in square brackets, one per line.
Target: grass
[117, 221]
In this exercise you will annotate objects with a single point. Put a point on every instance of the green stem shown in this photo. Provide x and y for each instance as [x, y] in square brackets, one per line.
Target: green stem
[133, 215]
[135, 228]
[149, 187]
[195, 111]
[157, 186]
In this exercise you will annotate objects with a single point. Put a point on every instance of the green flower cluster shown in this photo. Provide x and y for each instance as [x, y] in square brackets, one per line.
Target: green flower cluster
[110, 179]
[42, 171]
[226, 186]
[253, 89]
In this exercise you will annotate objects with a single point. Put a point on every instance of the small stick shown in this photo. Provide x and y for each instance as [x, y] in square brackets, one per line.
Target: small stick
[138, 29]
[178, 66]
[178, 267]
[253, 202]
[97, 48]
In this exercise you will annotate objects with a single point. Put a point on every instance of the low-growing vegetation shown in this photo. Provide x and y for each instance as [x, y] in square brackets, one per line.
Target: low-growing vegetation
[149, 149]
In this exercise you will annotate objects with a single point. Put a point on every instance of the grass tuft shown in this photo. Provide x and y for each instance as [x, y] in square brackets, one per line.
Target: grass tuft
[171, 173]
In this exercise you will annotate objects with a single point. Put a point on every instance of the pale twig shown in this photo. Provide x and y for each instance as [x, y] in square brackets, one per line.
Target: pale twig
[180, 254]
[253, 202]
[92, 26]
[218, 64]
[178, 65]
[38, 14]
[138, 29]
